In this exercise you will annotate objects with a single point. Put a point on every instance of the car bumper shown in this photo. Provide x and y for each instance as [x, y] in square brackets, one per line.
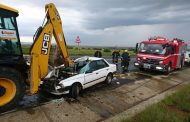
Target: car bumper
[187, 60]
[50, 87]
[158, 67]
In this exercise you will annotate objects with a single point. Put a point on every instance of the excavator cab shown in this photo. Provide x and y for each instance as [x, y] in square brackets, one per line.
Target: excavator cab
[10, 46]
[13, 68]
[9, 38]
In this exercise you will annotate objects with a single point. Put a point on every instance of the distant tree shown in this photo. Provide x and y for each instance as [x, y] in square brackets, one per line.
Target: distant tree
[97, 49]
[131, 49]
[107, 50]
[69, 47]
[76, 48]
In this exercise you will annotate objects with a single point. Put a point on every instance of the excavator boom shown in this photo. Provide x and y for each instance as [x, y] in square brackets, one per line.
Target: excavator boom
[40, 49]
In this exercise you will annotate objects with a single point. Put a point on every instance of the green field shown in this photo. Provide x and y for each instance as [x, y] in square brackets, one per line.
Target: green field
[81, 52]
[175, 108]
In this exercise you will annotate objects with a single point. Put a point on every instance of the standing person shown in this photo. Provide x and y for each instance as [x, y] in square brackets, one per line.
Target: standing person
[125, 58]
[115, 57]
[98, 54]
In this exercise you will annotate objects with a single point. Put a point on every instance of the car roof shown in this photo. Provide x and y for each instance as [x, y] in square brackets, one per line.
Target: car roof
[84, 58]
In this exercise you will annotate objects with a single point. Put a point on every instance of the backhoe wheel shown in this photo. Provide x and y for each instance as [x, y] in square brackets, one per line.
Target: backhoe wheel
[11, 88]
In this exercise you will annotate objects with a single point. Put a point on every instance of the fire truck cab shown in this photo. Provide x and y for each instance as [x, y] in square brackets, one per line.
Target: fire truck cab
[159, 54]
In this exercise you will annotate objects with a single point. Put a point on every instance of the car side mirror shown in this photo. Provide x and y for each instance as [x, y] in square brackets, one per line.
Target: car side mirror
[89, 71]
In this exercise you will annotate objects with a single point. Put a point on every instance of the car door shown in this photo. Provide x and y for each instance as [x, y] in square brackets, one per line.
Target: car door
[91, 74]
[103, 70]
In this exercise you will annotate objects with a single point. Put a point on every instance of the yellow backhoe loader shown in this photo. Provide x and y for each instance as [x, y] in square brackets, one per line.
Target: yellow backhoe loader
[14, 72]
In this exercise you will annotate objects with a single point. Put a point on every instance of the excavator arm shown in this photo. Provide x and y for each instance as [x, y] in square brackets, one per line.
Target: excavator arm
[40, 49]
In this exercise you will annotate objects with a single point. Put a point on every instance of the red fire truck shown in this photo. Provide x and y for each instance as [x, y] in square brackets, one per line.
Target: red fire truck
[158, 53]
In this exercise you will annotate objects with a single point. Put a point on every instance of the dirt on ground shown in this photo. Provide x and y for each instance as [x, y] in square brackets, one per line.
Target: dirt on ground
[127, 95]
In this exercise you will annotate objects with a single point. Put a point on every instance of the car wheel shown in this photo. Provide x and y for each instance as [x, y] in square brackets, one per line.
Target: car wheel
[141, 69]
[109, 78]
[75, 90]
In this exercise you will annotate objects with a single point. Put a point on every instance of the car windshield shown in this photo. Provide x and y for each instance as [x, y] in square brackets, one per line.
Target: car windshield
[152, 48]
[80, 66]
[84, 69]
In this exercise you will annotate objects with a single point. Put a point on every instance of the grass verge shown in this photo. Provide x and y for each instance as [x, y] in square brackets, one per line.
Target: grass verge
[74, 52]
[174, 108]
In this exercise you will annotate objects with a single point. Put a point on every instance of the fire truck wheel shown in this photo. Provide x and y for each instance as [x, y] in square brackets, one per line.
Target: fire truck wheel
[168, 70]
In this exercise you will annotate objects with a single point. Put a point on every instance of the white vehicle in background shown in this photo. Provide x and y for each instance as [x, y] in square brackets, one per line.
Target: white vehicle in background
[87, 71]
[187, 57]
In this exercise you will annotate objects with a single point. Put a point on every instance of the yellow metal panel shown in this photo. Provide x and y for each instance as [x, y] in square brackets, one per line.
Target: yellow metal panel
[41, 48]
[8, 8]
[39, 64]
[58, 32]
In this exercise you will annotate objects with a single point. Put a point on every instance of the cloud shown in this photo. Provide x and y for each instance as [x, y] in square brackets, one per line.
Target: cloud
[109, 22]
[129, 35]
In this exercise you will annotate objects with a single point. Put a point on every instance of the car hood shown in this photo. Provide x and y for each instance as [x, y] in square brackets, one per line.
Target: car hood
[78, 76]
[112, 65]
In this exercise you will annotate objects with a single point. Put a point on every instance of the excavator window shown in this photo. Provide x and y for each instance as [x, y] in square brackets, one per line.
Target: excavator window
[9, 23]
[9, 41]
[1, 24]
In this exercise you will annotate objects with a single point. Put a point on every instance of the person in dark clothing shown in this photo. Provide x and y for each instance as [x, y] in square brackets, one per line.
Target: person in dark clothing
[98, 54]
[115, 57]
[125, 58]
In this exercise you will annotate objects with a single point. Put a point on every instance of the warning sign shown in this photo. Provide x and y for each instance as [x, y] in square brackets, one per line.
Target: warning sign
[7, 34]
[77, 40]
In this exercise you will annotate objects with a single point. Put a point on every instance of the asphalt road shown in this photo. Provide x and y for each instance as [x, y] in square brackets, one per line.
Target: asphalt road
[109, 59]
[131, 65]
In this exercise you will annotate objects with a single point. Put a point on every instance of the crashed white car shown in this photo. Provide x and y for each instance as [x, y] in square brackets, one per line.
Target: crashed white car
[86, 72]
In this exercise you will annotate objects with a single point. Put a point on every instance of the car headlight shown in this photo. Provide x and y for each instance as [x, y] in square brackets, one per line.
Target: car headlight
[161, 62]
[138, 59]
[144, 58]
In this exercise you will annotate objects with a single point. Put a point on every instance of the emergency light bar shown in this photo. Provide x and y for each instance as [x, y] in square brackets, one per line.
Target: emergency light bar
[157, 39]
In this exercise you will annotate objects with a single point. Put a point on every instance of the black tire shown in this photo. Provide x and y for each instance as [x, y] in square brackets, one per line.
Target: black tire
[109, 78]
[16, 77]
[168, 69]
[75, 90]
[141, 69]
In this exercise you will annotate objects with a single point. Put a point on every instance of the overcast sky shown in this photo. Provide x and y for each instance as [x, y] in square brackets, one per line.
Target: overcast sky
[108, 22]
